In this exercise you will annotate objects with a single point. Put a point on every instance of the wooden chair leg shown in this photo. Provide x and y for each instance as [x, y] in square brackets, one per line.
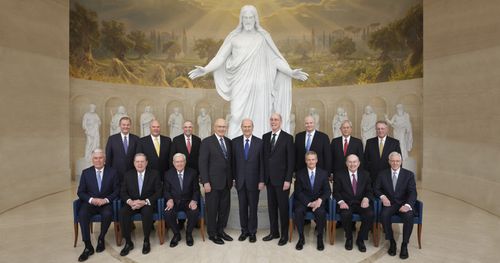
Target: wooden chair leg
[419, 230]
[91, 228]
[202, 229]
[374, 234]
[290, 230]
[333, 232]
[158, 232]
[117, 236]
[75, 226]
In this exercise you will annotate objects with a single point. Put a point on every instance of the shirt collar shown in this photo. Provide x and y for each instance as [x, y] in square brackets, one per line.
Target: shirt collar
[309, 171]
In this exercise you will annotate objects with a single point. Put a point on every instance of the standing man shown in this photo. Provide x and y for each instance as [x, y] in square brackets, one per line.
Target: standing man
[397, 190]
[156, 147]
[187, 144]
[279, 163]
[312, 190]
[121, 148]
[217, 180]
[352, 189]
[248, 167]
[312, 140]
[182, 192]
[140, 189]
[377, 150]
[344, 146]
[98, 188]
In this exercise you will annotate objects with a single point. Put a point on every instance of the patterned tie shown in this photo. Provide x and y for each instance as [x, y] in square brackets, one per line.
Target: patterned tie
[346, 144]
[247, 146]
[125, 143]
[354, 184]
[99, 180]
[188, 144]
[394, 180]
[180, 179]
[141, 180]
[273, 141]
[381, 147]
[157, 146]
[308, 142]
[311, 179]
[223, 146]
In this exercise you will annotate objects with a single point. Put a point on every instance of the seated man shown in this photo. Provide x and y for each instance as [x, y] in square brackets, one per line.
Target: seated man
[397, 190]
[140, 190]
[312, 190]
[182, 192]
[98, 188]
[353, 191]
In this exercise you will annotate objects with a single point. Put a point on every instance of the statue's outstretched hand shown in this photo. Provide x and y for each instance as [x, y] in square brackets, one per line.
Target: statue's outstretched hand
[197, 72]
[299, 74]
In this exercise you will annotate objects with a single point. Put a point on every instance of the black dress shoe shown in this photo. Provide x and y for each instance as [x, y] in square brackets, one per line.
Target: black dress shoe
[225, 236]
[270, 237]
[189, 239]
[300, 244]
[100, 246]
[242, 237]
[392, 248]
[146, 247]
[361, 245]
[175, 240]
[126, 249]
[252, 238]
[283, 241]
[86, 253]
[320, 245]
[216, 240]
[348, 244]
[403, 254]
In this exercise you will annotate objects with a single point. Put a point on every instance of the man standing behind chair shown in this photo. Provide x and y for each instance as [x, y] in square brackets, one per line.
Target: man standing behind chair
[377, 150]
[182, 192]
[279, 163]
[312, 140]
[352, 189]
[248, 167]
[312, 191]
[156, 147]
[216, 177]
[397, 190]
[121, 148]
[140, 189]
[343, 146]
[97, 190]
[188, 144]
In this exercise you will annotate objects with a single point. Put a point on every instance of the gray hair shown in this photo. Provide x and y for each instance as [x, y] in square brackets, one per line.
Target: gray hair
[98, 151]
[392, 154]
[179, 155]
[139, 155]
[346, 121]
[311, 153]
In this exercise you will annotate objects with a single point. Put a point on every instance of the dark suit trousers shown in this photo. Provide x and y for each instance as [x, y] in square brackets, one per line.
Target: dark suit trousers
[366, 220]
[218, 205]
[277, 200]
[248, 202]
[387, 213]
[87, 211]
[319, 218]
[192, 216]
[126, 214]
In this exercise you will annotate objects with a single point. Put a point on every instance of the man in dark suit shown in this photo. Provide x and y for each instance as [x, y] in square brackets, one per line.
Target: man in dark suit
[312, 191]
[377, 150]
[397, 190]
[156, 147]
[345, 145]
[216, 177]
[248, 167]
[97, 190]
[182, 192]
[121, 148]
[279, 163]
[352, 189]
[140, 189]
[312, 140]
[188, 144]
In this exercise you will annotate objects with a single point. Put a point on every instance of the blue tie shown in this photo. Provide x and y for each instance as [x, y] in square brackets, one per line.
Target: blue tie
[224, 150]
[247, 146]
[99, 180]
[141, 180]
[312, 180]
[308, 142]
[125, 144]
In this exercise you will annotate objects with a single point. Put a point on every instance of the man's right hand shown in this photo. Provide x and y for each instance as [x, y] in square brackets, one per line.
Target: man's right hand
[385, 201]
[207, 187]
[170, 204]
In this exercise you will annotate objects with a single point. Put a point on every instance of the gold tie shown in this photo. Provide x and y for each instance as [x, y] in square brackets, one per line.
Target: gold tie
[157, 146]
[381, 147]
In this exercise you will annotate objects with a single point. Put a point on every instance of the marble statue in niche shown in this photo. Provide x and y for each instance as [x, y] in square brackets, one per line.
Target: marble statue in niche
[175, 121]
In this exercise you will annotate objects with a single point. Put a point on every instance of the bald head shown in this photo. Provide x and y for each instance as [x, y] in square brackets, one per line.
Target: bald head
[275, 122]
[155, 128]
[220, 127]
[309, 123]
[247, 127]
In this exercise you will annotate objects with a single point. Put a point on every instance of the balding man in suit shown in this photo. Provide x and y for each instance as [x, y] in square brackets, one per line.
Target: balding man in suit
[156, 147]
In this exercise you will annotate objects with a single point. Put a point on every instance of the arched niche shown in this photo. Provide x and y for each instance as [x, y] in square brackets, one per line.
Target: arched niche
[170, 110]
[349, 107]
[79, 106]
[140, 109]
[110, 108]
[379, 106]
[316, 106]
[210, 111]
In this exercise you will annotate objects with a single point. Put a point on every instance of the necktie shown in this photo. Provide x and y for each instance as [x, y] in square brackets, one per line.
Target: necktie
[141, 180]
[308, 142]
[247, 146]
[180, 179]
[394, 180]
[99, 180]
[125, 143]
[311, 179]
[273, 141]
[354, 184]
[346, 144]
[223, 146]
[381, 147]
[188, 144]
[157, 146]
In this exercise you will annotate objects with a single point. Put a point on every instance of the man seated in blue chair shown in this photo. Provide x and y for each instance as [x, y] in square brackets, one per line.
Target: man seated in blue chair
[182, 192]
[352, 189]
[312, 191]
[397, 190]
[140, 190]
[97, 190]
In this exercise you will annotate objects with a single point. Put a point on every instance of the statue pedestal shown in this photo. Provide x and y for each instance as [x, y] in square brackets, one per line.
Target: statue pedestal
[410, 164]
[262, 213]
[81, 164]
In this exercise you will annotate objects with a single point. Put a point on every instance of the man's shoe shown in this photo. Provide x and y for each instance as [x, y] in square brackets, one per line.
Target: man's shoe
[189, 239]
[216, 240]
[100, 246]
[146, 247]
[126, 249]
[283, 241]
[270, 237]
[252, 238]
[300, 244]
[392, 248]
[225, 236]
[85, 254]
[403, 254]
[175, 240]
[361, 245]
[348, 244]
[243, 237]
[320, 245]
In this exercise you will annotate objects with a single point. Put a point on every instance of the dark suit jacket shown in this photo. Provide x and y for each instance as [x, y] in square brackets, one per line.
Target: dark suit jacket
[342, 187]
[304, 194]
[248, 173]
[190, 186]
[160, 163]
[115, 154]
[279, 162]
[373, 162]
[320, 144]
[179, 146]
[406, 189]
[151, 187]
[88, 188]
[214, 168]
[337, 148]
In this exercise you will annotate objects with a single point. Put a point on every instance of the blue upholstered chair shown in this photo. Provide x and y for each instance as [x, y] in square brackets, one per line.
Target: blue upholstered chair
[309, 216]
[181, 215]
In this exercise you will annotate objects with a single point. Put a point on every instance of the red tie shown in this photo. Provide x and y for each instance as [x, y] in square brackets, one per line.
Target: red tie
[188, 144]
[354, 184]
[346, 143]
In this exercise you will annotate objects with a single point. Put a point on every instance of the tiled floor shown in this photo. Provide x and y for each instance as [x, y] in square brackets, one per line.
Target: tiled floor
[453, 231]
